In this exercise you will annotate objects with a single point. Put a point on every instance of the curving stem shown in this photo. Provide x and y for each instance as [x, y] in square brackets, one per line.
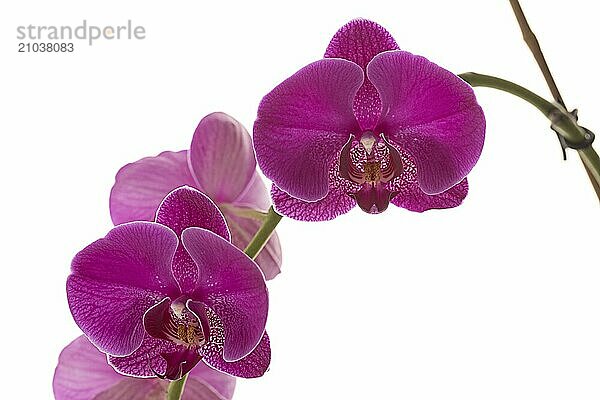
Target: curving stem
[261, 237]
[562, 121]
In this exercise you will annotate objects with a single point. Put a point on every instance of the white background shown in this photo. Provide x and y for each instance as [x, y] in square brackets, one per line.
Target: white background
[496, 299]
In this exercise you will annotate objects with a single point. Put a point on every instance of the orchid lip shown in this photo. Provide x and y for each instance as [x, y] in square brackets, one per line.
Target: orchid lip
[370, 162]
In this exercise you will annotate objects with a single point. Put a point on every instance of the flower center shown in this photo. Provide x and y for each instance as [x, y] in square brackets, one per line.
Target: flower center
[173, 321]
[372, 172]
[370, 162]
[190, 335]
[183, 326]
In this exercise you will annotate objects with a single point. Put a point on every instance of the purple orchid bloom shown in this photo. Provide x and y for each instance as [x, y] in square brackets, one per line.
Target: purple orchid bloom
[82, 373]
[368, 125]
[221, 164]
[158, 297]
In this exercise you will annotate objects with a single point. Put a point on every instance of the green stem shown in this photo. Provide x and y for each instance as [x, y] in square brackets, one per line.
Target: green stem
[564, 123]
[175, 389]
[533, 44]
[261, 237]
[590, 159]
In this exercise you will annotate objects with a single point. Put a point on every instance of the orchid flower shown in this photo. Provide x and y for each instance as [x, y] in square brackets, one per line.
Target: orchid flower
[369, 124]
[158, 297]
[219, 163]
[82, 373]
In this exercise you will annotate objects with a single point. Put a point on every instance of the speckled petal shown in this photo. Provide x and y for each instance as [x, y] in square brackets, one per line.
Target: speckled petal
[116, 279]
[253, 365]
[359, 41]
[147, 360]
[430, 113]
[413, 198]
[303, 123]
[182, 208]
[336, 203]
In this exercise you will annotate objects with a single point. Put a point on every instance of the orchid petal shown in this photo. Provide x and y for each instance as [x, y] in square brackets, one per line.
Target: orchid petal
[140, 186]
[336, 203]
[197, 389]
[116, 279]
[254, 365]
[432, 114]
[83, 373]
[221, 157]
[359, 41]
[232, 285]
[205, 383]
[256, 195]
[412, 198]
[303, 123]
[147, 361]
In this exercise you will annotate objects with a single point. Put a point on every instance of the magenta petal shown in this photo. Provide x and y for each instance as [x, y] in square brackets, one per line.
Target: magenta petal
[83, 373]
[255, 196]
[336, 203]
[432, 114]
[413, 198]
[205, 383]
[116, 279]
[269, 259]
[243, 230]
[222, 157]
[359, 41]
[254, 365]
[233, 286]
[140, 186]
[303, 123]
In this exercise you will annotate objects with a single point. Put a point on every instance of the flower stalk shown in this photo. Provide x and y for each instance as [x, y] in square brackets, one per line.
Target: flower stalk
[562, 121]
[175, 389]
[588, 156]
[261, 237]
[258, 242]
